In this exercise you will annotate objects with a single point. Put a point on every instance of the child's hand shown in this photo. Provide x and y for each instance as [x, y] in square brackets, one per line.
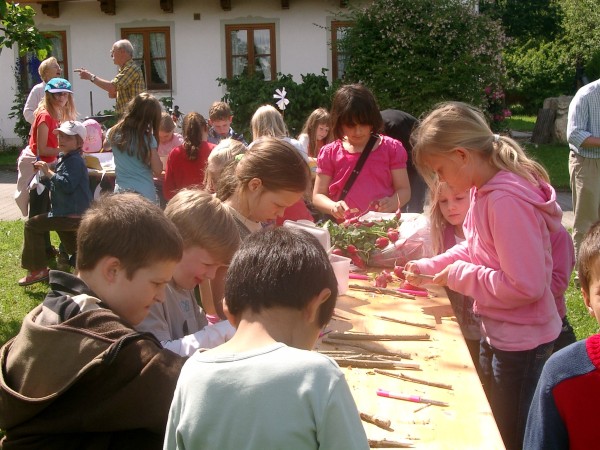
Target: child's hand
[338, 209]
[41, 165]
[388, 204]
[411, 272]
[441, 278]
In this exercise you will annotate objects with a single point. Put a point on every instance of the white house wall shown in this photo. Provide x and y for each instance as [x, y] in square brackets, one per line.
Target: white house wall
[197, 47]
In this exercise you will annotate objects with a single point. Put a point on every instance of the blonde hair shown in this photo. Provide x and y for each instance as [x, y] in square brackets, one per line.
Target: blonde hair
[219, 157]
[454, 124]
[219, 111]
[437, 221]
[69, 112]
[319, 116]
[204, 221]
[267, 121]
[45, 67]
[166, 122]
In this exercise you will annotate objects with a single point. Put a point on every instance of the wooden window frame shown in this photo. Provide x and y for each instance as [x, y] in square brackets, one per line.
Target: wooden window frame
[64, 62]
[146, 60]
[335, 26]
[250, 28]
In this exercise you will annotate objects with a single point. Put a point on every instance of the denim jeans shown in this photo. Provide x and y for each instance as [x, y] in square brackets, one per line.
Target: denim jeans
[510, 379]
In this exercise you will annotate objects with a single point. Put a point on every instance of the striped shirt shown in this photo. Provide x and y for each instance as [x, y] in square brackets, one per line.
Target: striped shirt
[584, 119]
[129, 83]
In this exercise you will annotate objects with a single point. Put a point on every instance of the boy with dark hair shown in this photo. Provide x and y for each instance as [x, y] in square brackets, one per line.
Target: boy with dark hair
[219, 120]
[77, 375]
[563, 412]
[280, 292]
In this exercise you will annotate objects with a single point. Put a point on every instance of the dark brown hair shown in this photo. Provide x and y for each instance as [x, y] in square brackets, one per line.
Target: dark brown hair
[274, 161]
[354, 104]
[280, 267]
[140, 119]
[194, 126]
[130, 228]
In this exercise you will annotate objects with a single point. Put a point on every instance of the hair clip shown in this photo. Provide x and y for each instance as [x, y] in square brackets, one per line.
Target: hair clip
[496, 138]
[239, 157]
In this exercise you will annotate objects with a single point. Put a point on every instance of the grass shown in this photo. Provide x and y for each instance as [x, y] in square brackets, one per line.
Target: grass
[8, 158]
[521, 123]
[15, 301]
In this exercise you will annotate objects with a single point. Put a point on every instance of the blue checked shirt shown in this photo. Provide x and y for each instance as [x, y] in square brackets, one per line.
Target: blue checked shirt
[584, 119]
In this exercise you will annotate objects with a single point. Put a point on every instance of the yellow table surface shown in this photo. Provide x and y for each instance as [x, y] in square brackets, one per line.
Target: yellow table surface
[467, 423]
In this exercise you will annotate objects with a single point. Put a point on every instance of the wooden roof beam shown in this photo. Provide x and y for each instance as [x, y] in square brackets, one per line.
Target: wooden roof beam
[50, 9]
[166, 5]
[108, 7]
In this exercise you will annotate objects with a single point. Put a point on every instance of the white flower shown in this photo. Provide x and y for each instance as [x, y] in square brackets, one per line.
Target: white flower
[282, 102]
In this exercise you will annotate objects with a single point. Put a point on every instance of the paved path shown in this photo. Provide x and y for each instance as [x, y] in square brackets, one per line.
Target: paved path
[10, 211]
[8, 207]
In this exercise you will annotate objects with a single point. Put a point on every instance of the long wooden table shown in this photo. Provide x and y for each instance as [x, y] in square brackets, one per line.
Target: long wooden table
[467, 421]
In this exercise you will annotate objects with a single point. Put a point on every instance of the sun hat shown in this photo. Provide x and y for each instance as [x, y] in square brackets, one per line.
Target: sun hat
[72, 128]
[58, 85]
[93, 141]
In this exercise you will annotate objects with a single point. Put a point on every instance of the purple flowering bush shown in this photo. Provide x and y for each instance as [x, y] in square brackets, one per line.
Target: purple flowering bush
[495, 108]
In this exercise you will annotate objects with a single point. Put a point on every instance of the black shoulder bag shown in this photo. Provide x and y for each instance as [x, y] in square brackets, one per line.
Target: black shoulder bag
[359, 165]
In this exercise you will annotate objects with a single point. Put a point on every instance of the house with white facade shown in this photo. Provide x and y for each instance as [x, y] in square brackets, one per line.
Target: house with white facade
[183, 46]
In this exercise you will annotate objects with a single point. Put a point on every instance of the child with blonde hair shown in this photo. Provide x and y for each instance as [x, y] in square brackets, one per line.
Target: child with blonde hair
[210, 238]
[134, 140]
[447, 211]
[506, 263]
[186, 163]
[220, 156]
[168, 139]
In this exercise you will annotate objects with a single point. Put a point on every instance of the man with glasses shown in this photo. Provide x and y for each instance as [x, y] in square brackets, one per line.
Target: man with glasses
[128, 83]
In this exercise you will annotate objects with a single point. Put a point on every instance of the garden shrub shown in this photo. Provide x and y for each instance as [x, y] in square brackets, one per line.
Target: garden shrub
[425, 52]
[539, 70]
[245, 94]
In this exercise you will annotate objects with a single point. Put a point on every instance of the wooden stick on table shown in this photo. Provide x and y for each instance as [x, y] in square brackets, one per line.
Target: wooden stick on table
[377, 290]
[370, 347]
[406, 322]
[379, 337]
[384, 443]
[377, 421]
[401, 376]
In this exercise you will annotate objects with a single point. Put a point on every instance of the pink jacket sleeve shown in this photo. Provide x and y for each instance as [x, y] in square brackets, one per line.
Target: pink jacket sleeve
[512, 258]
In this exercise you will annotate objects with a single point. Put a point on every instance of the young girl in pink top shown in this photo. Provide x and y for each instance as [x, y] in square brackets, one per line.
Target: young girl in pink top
[447, 210]
[382, 184]
[506, 262]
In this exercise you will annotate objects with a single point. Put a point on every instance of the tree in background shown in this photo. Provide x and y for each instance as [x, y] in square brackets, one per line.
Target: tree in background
[413, 55]
[580, 22]
[18, 27]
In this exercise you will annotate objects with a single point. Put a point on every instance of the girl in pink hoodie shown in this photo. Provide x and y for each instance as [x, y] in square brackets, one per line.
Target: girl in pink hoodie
[505, 263]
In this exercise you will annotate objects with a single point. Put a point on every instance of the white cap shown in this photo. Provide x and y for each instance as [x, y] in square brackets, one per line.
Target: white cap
[72, 128]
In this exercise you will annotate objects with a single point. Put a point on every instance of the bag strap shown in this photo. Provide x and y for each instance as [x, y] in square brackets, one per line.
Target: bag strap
[359, 165]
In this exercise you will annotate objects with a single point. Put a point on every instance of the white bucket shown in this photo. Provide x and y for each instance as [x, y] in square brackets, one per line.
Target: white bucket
[341, 268]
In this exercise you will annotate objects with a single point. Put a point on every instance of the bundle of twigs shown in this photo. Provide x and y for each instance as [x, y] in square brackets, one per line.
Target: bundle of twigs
[368, 346]
[346, 358]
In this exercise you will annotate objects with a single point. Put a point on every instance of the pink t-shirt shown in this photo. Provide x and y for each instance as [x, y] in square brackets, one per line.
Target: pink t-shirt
[375, 179]
[165, 149]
